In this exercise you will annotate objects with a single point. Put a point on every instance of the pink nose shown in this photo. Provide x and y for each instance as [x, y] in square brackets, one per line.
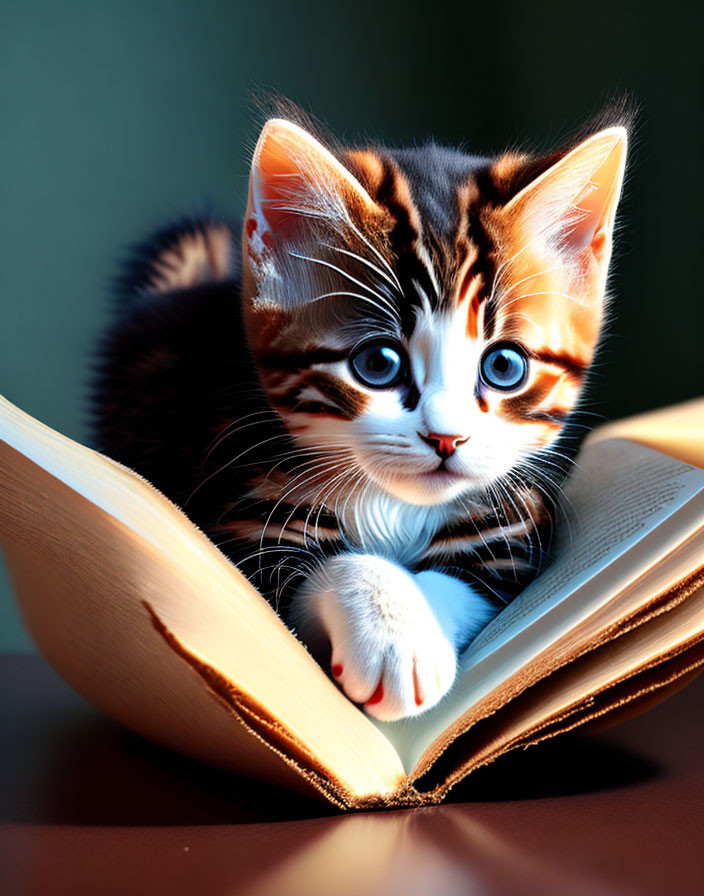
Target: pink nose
[443, 443]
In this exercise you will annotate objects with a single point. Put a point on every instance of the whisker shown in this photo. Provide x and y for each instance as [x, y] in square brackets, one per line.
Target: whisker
[354, 295]
[377, 270]
[377, 253]
[325, 469]
[341, 272]
[229, 464]
[322, 467]
[229, 430]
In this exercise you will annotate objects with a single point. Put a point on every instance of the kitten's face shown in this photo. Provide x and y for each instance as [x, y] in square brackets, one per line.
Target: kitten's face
[422, 319]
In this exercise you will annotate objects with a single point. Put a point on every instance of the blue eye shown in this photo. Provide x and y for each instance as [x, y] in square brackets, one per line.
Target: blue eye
[379, 363]
[504, 366]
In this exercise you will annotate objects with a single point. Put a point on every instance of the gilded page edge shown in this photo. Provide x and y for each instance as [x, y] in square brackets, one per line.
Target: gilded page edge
[661, 603]
[554, 727]
[260, 724]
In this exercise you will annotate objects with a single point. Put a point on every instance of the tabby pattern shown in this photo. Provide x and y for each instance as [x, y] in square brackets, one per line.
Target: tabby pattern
[370, 406]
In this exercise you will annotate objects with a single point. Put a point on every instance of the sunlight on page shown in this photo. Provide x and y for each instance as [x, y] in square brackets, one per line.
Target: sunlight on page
[621, 493]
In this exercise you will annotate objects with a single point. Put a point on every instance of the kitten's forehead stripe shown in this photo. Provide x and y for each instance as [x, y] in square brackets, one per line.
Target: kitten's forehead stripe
[435, 200]
[473, 312]
[469, 281]
[413, 245]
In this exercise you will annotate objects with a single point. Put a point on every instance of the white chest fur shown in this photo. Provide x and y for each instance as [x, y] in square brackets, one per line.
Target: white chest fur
[383, 525]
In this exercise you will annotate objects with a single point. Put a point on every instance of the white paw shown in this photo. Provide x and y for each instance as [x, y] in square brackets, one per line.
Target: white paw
[389, 651]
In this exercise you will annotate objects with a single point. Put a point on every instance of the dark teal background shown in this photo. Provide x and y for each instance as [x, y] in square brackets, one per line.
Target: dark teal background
[117, 116]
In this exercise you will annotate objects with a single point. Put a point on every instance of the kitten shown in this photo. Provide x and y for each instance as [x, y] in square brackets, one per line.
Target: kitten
[366, 406]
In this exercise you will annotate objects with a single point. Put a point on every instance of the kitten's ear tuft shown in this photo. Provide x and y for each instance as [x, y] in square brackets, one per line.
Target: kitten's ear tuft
[573, 203]
[293, 178]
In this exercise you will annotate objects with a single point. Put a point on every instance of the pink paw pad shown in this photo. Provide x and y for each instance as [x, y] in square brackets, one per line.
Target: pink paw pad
[416, 690]
[377, 696]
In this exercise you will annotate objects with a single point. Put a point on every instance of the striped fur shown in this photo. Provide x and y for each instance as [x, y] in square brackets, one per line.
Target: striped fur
[230, 385]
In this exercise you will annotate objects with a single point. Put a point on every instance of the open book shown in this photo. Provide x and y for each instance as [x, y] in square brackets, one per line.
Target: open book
[143, 615]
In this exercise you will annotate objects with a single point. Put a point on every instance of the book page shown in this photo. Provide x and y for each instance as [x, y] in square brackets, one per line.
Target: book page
[621, 492]
[677, 430]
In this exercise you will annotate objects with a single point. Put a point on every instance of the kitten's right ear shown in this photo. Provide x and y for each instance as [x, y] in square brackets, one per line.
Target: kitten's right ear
[293, 178]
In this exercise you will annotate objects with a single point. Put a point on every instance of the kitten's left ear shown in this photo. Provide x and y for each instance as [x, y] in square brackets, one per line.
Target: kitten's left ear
[294, 178]
[573, 204]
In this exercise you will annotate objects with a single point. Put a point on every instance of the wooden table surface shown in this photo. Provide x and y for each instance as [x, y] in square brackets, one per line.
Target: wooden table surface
[88, 808]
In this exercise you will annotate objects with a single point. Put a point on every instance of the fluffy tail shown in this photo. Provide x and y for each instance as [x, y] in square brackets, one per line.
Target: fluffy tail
[185, 255]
